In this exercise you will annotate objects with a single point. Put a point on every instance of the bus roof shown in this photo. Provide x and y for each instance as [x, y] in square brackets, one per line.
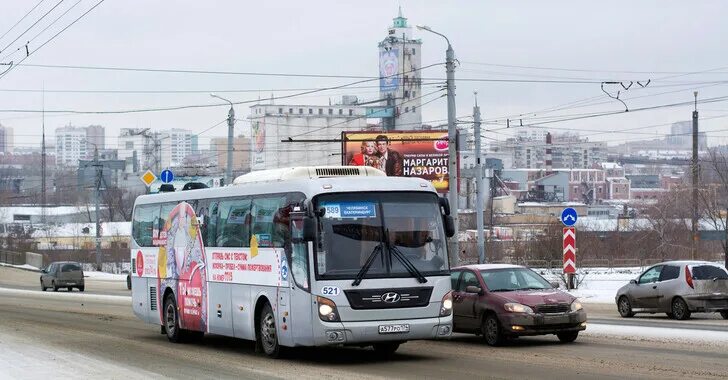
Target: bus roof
[306, 185]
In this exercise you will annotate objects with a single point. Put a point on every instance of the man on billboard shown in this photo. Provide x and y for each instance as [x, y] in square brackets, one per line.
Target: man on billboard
[391, 161]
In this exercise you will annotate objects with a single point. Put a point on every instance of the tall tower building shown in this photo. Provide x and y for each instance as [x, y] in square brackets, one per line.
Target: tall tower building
[400, 84]
[96, 136]
[6, 139]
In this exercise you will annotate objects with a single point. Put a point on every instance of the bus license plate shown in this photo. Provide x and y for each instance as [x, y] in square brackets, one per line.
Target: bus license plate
[393, 329]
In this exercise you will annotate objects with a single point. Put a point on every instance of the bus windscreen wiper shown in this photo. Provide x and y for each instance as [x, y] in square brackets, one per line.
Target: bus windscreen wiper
[368, 264]
[404, 260]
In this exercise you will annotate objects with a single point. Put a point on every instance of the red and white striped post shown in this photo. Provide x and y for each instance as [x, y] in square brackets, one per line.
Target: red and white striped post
[569, 241]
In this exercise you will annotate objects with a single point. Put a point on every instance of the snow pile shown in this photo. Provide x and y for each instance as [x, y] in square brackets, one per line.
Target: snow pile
[103, 276]
[659, 334]
[24, 266]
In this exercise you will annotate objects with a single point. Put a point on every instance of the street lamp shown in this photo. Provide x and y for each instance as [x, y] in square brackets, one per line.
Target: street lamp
[451, 136]
[231, 127]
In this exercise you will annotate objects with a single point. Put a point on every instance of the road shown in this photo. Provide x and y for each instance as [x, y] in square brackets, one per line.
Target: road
[93, 336]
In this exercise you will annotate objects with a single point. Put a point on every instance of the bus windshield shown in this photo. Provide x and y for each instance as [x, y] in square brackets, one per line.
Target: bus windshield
[391, 230]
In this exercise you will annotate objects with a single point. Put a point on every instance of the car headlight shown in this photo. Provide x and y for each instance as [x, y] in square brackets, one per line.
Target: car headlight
[576, 306]
[517, 308]
[446, 308]
[327, 310]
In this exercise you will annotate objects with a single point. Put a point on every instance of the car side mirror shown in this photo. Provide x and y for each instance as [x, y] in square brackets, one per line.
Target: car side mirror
[633, 281]
[473, 289]
[555, 284]
[449, 225]
[43, 271]
[309, 229]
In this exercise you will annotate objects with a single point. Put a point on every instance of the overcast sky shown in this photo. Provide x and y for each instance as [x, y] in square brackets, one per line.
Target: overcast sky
[662, 41]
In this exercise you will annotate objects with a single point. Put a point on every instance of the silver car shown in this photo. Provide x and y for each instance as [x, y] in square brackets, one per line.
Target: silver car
[677, 288]
[62, 274]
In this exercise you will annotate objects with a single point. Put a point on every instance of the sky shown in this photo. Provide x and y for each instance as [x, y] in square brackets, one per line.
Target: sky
[533, 62]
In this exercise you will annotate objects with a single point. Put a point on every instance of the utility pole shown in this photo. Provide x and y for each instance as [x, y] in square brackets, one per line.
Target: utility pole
[480, 192]
[231, 131]
[452, 167]
[694, 229]
[97, 166]
[43, 166]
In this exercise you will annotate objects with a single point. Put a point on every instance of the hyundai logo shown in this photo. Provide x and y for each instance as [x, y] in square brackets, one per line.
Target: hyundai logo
[390, 297]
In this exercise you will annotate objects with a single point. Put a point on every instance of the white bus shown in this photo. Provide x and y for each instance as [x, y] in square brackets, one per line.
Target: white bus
[291, 257]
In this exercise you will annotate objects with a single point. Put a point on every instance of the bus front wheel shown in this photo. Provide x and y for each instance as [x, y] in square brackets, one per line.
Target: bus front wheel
[267, 333]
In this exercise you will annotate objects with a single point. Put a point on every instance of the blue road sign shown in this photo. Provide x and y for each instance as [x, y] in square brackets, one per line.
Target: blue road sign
[568, 216]
[166, 176]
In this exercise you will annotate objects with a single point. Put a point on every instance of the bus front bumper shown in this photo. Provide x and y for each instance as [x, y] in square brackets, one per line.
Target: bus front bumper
[382, 331]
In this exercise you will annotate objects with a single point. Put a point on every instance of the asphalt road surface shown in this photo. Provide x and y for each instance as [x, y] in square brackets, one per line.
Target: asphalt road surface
[97, 336]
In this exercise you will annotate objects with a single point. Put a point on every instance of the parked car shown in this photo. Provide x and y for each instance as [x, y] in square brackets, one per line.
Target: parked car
[677, 288]
[503, 301]
[62, 274]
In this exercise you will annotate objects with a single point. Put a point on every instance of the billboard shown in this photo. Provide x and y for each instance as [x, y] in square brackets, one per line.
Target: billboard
[388, 70]
[422, 154]
[258, 145]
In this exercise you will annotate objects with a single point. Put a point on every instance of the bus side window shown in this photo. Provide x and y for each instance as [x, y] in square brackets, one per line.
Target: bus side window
[143, 224]
[234, 223]
[211, 226]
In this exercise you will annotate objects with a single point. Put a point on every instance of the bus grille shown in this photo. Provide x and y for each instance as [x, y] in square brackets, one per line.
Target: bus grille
[152, 298]
[388, 298]
[336, 172]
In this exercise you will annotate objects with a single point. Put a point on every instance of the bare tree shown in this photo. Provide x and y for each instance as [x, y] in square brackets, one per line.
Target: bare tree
[715, 201]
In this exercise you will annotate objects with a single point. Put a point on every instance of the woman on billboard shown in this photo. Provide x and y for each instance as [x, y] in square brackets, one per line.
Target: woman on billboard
[368, 155]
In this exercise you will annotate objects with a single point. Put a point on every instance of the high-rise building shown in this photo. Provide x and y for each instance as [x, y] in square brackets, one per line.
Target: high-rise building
[95, 135]
[136, 149]
[272, 123]
[6, 139]
[401, 78]
[568, 151]
[71, 145]
[241, 154]
[182, 143]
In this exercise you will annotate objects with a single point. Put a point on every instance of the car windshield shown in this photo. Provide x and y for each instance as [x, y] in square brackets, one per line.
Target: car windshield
[709, 272]
[399, 234]
[509, 279]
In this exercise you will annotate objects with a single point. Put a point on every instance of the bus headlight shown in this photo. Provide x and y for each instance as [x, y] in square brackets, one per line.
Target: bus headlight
[327, 310]
[446, 308]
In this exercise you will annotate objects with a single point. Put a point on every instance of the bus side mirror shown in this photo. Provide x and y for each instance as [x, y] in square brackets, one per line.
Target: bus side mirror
[449, 225]
[309, 229]
[445, 205]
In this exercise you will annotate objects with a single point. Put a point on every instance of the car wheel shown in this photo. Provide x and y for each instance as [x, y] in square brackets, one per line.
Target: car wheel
[128, 281]
[625, 307]
[81, 288]
[680, 309]
[385, 350]
[567, 337]
[724, 314]
[70, 288]
[171, 320]
[42, 288]
[492, 331]
[267, 333]
[55, 288]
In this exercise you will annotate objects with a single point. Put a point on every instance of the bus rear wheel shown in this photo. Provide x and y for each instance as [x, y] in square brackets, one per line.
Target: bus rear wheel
[171, 320]
[267, 333]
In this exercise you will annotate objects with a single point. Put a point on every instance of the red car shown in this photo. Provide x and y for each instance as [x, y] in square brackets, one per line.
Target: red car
[502, 301]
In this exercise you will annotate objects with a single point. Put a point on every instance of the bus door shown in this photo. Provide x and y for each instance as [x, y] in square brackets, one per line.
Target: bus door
[301, 313]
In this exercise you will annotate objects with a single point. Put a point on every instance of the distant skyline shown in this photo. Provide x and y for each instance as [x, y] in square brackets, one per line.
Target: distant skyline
[677, 45]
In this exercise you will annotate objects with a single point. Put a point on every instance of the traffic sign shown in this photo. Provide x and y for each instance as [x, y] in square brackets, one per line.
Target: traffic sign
[166, 176]
[569, 250]
[148, 178]
[568, 216]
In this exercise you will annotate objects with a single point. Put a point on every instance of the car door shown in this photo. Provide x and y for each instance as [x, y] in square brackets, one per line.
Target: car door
[464, 303]
[667, 287]
[454, 281]
[48, 275]
[645, 293]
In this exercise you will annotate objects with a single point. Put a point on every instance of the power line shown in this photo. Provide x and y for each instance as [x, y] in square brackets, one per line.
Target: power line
[595, 70]
[51, 39]
[21, 19]
[34, 24]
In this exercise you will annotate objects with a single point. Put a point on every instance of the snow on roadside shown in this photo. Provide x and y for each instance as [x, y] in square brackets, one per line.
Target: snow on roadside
[103, 276]
[598, 285]
[24, 266]
[658, 334]
[74, 296]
